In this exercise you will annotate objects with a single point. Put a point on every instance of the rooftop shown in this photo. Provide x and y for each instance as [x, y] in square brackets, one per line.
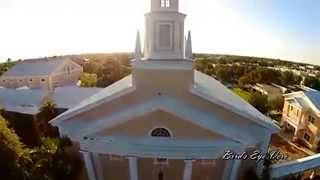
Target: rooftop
[35, 67]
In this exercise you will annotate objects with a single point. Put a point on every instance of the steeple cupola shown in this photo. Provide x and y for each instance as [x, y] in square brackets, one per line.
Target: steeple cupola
[164, 38]
[165, 5]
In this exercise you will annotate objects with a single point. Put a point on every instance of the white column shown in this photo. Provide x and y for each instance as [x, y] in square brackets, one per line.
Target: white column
[98, 166]
[89, 165]
[264, 147]
[133, 168]
[227, 169]
[235, 170]
[187, 172]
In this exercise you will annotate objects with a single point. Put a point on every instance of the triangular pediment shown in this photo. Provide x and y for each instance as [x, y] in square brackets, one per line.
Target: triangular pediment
[143, 125]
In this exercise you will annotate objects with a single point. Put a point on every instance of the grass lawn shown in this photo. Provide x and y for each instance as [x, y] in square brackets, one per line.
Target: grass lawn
[242, 93]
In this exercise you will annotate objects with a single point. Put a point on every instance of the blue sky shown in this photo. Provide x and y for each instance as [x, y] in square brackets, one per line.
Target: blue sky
[285, 29]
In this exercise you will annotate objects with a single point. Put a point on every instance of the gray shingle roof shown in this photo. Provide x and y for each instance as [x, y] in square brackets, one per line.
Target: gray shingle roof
[27, 101]
[35, 67]
[70, 96]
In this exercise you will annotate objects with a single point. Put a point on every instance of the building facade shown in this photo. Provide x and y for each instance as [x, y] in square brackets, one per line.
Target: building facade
[47, 73]
[166, 121]
[301, 117]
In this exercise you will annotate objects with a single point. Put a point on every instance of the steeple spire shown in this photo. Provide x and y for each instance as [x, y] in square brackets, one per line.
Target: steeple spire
[138, 54]
[188, 50]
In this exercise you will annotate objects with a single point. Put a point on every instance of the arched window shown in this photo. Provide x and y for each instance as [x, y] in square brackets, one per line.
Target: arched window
[160, 132]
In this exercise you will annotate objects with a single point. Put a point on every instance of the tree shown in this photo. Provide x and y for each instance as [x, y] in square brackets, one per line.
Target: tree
[223, 73]
[289, 78]
[244, 80]
[11, 149]
[260, 102]
[48, 111]
[88, 80]
[111, 72]
[312, 82]
[277, 104]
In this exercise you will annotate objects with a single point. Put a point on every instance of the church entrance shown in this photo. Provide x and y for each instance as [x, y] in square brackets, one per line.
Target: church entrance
[152, 169]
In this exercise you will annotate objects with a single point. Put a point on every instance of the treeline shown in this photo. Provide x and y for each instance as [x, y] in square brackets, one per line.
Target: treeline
[230, 59]
[246, 73]
[51, 159]
[102, 70]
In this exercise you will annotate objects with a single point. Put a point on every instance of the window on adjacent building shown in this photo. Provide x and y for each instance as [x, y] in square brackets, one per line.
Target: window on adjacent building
[306, 137]
[311, 119]
[298, 112]
[43, 80]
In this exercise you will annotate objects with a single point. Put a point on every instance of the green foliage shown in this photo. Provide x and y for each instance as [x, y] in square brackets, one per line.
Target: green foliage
[88, 80]
[259, 101]
[11, 149]
[312, 82]
[49, 161]
[111, 72]
[289, 78]
[47, 112]
[242, 93]
[108, 69]
[205, 66]
[5, 66]
[246, 70]
[277, 104]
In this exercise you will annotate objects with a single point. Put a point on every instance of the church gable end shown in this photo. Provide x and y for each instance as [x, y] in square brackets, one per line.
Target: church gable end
[143, 126]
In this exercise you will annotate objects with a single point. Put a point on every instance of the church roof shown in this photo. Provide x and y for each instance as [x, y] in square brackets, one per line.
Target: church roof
[35, 67]
[204, 86]
[97, 98]
[69, 96]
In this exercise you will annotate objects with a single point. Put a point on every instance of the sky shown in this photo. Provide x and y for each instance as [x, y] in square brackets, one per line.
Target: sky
[281, 29]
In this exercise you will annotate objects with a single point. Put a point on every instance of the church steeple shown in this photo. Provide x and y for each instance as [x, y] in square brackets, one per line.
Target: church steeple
[164, 38]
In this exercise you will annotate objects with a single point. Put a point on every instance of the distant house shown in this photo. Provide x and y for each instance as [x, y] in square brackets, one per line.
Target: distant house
[271, 91]
[301, 117]
[46, 73]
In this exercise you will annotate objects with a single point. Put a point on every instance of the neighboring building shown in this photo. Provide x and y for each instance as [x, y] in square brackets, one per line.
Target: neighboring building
[22, 107]
[271, 91]
[28, 101]
[165, 121]
[301, 117]
[23, 101]
[46, 73]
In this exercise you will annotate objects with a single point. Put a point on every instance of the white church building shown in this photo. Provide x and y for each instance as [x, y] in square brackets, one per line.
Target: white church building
[165, 121]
